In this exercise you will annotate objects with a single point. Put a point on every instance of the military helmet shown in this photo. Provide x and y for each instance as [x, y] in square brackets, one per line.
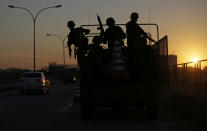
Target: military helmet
[70, 24]
[110, 21]
[97, 40]
[134, 15]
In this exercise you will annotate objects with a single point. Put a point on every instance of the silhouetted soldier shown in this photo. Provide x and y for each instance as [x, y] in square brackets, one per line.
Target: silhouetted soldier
[113, 34]
[135, 34]
[96, 60]
[78, 39]
[137, 47]
[95, 48]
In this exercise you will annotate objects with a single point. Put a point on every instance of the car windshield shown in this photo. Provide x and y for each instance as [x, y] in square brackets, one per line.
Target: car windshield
[32, 75]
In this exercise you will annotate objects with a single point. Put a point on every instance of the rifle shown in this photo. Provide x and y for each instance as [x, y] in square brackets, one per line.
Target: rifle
[70, 51]
[100, 26]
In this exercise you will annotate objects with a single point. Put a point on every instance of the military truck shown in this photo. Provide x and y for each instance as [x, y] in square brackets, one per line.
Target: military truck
[103, 87]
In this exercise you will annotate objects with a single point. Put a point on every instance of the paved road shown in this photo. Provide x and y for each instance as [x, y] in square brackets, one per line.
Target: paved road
[57, 112]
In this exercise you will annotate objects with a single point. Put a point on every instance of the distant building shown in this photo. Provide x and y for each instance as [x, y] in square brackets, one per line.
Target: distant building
[172, 60]
[59, 70]
[52, 64]
[54, 67]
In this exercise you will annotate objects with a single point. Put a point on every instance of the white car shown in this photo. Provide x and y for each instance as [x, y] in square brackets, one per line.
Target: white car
[34, 81]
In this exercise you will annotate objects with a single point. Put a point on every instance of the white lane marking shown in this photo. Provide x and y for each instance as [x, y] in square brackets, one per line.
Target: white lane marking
[67, 106]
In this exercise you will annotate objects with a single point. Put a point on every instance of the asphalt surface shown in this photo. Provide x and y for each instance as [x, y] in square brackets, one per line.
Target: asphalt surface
[58, 112]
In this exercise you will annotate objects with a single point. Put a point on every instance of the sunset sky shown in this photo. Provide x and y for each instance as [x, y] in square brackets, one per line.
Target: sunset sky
[183, 21]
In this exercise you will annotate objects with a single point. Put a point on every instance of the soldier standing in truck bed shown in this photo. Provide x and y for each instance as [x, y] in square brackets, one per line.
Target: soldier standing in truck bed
[137, 47]
[135, 34]
[96, 60]
[78, 39]
[113, 33]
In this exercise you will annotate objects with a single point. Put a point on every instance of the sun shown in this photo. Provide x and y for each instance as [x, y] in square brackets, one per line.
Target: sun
[195, 59]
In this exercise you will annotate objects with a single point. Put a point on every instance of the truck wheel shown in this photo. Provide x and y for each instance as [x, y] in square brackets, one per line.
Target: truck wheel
[153, 111]
[21, 92]
[153, 115]
[85, 111]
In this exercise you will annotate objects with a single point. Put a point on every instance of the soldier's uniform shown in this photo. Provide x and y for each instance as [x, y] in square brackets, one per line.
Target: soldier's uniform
[96, 60]
[113, 34]
[78, 39]
[137, 49]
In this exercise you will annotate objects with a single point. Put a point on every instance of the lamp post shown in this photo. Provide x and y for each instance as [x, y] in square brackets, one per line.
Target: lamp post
[34, 18]
[62, 41]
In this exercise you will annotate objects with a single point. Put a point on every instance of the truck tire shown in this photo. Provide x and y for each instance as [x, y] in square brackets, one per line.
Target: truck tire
[153, 111]
[85, 111]
[21, 92]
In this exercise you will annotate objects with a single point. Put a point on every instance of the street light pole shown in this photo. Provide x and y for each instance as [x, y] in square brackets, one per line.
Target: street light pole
[34, 18]
[62, 41]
